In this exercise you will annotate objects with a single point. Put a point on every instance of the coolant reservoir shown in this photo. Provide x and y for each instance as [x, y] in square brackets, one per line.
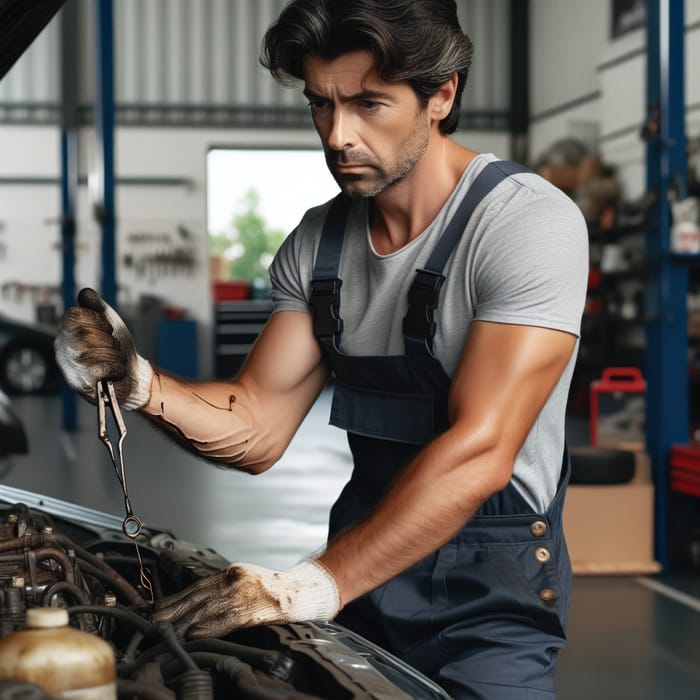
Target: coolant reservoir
[63, 661]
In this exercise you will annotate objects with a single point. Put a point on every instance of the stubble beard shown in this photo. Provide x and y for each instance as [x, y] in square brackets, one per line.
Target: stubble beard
[382, 176]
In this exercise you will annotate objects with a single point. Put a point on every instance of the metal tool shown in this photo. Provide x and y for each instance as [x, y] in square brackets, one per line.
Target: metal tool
[131, 525]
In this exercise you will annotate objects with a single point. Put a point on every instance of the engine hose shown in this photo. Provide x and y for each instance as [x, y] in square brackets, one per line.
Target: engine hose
[163, 632]
[194, 685]
[247, 685]
[167, 634]
[64, 587]
[57, 555]
[132, 595]
[127, 690]
[131, 648]
[24, 542]
[274, 662]
[148, 655]
[119, 612]
[240, 674]
[169, 644]
[115, 581]
[128, 667]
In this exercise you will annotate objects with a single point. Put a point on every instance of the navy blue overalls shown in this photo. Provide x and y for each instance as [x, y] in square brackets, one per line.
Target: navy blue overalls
[484, 616]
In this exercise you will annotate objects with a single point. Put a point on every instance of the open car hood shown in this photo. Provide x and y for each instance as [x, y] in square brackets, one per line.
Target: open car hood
[74, 557]
[20, 23]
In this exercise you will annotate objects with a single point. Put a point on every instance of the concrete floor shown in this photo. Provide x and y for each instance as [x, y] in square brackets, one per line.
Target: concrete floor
[636, 638]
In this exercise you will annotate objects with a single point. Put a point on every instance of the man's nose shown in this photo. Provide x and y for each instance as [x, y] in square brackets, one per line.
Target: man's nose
[340, 135]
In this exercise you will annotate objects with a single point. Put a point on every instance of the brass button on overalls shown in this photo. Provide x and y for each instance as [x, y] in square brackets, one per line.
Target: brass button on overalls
[538, 528]
[543, 555]
[548, 595]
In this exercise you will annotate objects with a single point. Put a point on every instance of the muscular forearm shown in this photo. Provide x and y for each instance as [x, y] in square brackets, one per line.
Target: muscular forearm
[218, 421]
[247, 423]
[226, 423]
[435, 496]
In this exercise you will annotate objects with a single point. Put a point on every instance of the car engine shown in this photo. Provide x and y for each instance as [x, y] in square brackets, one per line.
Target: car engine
[91, 569]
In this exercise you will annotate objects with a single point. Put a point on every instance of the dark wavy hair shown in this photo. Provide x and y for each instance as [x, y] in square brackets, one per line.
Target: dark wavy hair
[419, 41]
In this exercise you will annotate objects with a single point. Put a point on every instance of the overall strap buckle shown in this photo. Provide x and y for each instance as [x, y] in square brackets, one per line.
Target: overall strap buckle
[325, 304]
[419, 323]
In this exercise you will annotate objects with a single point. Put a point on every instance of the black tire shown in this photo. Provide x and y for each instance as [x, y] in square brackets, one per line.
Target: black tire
[24, 369]
[601, 465]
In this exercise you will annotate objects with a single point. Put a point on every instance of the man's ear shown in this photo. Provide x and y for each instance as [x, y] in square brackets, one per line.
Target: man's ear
[441, 102]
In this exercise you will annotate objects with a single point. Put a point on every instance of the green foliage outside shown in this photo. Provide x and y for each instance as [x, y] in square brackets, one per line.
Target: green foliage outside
[251, 245]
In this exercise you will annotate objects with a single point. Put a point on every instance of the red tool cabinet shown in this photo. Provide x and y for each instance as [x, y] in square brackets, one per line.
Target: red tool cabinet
[684, 468]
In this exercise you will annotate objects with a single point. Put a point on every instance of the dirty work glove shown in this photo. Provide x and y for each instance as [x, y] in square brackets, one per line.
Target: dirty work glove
[93, 343]
[244, 595]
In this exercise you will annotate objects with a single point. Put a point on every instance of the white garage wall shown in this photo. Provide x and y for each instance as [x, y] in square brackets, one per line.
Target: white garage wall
[29, 225]
[587, 85]
[567, 39]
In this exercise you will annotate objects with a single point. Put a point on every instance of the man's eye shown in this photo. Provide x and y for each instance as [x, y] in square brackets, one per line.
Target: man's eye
[317, 105]
[369, 104]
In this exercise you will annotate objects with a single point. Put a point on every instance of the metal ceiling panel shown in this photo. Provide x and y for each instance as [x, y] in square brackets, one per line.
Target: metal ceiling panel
[191, 62]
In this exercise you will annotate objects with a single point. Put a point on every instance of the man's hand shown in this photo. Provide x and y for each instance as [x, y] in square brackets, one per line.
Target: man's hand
[244, 595]
[94, 343]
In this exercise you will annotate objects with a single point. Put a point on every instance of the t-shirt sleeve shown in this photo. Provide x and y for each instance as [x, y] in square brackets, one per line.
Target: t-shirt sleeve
[292, 266]
[287, 290]
[531, 266]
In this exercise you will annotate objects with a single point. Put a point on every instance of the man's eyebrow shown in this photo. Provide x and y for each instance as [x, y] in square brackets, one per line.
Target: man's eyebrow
[362, 95]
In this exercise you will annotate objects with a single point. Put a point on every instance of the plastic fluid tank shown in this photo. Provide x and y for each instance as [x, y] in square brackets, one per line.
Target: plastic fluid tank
[61, 660]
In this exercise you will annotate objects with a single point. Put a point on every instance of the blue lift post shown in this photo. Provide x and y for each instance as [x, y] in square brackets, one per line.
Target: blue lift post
[666, 356]
[69, 179]
[104, 127]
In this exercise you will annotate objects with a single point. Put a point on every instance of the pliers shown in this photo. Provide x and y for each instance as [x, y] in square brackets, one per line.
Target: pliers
[131, 525]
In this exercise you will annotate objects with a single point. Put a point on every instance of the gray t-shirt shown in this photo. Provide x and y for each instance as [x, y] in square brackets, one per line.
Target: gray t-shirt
[523, 259]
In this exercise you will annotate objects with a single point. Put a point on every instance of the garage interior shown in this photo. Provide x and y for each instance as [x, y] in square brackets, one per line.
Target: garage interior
[108, 125]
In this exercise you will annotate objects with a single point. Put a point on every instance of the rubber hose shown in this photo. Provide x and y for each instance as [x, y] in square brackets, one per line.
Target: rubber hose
[132, 595]
[194, 685]
[241, 676]
[262, 659]
[128, 690]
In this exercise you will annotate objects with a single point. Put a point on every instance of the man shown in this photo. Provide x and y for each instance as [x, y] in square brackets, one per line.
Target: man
[444, 292]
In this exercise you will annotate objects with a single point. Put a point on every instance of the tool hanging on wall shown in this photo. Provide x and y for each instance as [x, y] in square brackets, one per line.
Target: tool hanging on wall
[156, 255]
[131, 526]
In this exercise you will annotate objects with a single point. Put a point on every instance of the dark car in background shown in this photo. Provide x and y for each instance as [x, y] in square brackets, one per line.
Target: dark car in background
[27, 360]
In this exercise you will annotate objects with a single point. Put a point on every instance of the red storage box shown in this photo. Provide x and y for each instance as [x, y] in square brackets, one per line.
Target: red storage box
[231, 291]
[617, 413]
[685, 469]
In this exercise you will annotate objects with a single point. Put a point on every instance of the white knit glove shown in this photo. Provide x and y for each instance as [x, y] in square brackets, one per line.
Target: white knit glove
[93, 343]
[244, 595]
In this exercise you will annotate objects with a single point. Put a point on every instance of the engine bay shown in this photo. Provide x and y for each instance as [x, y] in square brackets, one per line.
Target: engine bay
[87, 565]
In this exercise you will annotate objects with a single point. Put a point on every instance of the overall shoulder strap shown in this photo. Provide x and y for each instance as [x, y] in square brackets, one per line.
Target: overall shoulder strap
[325, 283]
[419, 324]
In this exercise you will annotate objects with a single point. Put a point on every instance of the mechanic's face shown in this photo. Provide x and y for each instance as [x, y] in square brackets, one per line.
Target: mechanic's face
[373, 132]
